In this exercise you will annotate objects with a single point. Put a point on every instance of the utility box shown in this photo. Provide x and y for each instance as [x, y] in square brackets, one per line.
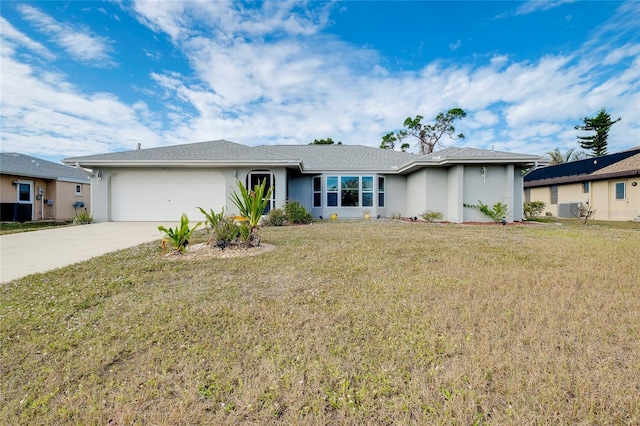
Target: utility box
[569, 210]
[49, 202]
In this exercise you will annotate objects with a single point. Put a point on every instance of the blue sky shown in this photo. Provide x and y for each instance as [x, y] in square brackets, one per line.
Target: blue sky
[80, 78]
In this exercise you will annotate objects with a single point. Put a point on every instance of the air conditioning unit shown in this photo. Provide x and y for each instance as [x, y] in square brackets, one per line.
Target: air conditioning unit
[569, 210]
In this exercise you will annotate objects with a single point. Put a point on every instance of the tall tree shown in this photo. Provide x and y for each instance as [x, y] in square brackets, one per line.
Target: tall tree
[428, 135]
[600, 124]
[558, 157]
[327, 141]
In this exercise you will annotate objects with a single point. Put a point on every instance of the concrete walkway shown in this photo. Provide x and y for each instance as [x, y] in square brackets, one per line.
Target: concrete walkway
[26, 253]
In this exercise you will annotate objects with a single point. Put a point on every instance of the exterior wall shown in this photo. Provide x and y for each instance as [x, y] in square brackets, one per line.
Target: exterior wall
[601, 197]
[491, 184]
[437, 196]
[301, 190]
[61, 193]
[396, 195]
[455, 187]
[417, 190]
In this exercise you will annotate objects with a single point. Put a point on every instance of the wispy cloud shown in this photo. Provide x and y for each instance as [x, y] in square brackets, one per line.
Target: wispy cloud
[78, 42]
[11, 36]
[533, 6]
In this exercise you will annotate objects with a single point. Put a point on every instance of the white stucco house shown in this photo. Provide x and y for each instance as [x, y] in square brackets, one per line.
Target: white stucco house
[159, 184]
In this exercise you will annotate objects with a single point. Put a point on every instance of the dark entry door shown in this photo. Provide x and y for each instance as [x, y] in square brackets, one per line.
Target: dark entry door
[256, 178]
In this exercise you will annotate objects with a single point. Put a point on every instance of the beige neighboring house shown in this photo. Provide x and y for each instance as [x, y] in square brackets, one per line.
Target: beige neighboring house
[609, 184]
[36, 189]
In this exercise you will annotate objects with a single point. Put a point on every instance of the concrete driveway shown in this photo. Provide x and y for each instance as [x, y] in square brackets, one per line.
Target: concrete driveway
[26, 253]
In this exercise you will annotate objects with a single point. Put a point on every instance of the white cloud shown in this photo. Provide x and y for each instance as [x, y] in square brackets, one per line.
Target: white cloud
[12, 37]
[78, 42]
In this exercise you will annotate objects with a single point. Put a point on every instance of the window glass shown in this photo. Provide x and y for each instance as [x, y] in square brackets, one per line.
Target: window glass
[332, 183]
[367, 199]
[317, 191]
[554, 194]
[620, 191]
[350, 186]
[585, 187]
[527, 195]
[380, 192]
[24, 192]
[332, 199]
[367, 183]
[79, 189]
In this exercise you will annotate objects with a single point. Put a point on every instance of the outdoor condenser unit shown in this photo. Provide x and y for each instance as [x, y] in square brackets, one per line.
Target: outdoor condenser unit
[569, 210]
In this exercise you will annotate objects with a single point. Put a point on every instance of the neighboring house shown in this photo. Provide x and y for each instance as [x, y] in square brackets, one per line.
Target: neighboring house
[609, 184]
[348, 180]
[35, 189]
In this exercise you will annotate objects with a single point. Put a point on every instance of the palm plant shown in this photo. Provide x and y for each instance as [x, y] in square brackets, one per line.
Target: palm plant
[179, 237]
[558, 157]
[212, 220]
[252, 205]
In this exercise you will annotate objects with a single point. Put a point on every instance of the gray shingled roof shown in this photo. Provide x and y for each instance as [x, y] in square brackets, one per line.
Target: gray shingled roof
[211, 152]
[316, 158]
[13, 163]
[309, 158]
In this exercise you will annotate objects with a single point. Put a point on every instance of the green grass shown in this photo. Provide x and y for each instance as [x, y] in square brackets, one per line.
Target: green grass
[15, 227]
[376, 322]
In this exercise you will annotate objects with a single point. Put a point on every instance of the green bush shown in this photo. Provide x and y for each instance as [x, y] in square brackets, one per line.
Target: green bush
[296, 213]
[533, 209]
[83, 218]
[431, 216]
[276, 217]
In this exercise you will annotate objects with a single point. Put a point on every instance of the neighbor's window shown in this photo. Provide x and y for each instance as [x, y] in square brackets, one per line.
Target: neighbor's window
[620, 191]
[367, 191]
[585, 187]
[380, 191]
[317, 191]
[332, 191]
[78, 189]
[24, 192]
[554, 194]
[350, 186]
[527, 195]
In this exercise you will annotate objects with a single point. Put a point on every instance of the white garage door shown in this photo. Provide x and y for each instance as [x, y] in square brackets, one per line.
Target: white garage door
[165, 195]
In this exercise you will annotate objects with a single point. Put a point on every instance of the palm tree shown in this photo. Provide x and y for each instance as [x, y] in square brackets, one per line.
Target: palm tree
[558, 157]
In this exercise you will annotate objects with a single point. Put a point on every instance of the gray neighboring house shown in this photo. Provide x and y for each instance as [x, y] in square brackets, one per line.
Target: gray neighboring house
[159, 184]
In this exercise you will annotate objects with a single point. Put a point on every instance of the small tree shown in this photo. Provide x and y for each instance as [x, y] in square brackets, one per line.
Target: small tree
[558, 157]
[600, 124]
[428, 135]
[327, 141]
[252, 206]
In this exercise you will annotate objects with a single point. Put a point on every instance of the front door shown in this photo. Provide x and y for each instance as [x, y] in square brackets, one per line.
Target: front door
[256, 178]
[24, 201]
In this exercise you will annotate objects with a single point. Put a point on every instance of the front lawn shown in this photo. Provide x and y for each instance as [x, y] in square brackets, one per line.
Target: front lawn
[363, 322]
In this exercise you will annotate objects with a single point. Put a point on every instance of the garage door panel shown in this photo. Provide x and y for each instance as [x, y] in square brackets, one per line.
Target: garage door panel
[165, 195]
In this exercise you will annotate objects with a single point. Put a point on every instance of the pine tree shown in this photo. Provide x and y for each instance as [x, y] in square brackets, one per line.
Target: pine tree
[600, 124]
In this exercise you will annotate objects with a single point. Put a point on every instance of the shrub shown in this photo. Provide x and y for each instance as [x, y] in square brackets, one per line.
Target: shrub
[179, 237]
[212, 220]
[276, 217]
[497, 212]
[395, 215]
[83, 218]
[533, 209]
[431, 216]
[296, 213]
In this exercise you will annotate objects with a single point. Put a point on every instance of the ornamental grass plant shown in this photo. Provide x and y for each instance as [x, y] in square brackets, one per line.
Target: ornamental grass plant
[345, 323]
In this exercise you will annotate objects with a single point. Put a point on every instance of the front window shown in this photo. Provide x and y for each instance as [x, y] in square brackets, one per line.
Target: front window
[78, 189]
[380, 192]
[317, 191]
[554, 194]
[585, 187]
[332, 191]
[620, 191]
[350, 186]
[367, 191]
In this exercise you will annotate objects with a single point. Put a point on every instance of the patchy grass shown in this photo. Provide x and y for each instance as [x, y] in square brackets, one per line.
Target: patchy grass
[15, 227]
[376, 322]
